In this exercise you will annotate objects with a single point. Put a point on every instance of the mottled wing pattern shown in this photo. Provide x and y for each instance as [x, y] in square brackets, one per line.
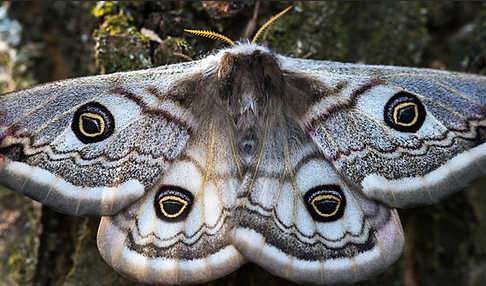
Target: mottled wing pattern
[276, 227]
[145, 126]
[400, 166]
[140, 243]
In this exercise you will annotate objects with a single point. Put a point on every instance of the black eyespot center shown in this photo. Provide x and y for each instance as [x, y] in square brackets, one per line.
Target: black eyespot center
[172, 206]
[173, 203]
[407, 114]
[325, 203]
[404, 112]
[92, 123]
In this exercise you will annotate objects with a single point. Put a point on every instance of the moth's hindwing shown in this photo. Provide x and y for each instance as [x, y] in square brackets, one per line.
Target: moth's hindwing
[178, 233]
[298, 218]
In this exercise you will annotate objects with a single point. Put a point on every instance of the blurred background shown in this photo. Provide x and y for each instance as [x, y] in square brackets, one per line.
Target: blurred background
[42, 41]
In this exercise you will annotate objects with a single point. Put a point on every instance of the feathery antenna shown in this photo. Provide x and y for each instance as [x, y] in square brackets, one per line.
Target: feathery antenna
[269, 22]
[211, 35]
[217, 36]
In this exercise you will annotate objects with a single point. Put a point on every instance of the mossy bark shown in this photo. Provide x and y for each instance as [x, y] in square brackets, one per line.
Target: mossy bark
[446, 243]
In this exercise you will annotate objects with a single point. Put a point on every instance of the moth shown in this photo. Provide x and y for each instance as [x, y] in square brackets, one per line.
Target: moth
[246, 155]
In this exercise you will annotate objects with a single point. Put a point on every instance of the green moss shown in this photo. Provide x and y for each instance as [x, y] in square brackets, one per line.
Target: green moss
[120, 46]
[116, 24]
[102, 8]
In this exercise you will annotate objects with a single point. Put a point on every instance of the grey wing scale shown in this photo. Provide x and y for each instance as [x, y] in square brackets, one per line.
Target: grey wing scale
[142, 127]
[399, 167]
[279, 226]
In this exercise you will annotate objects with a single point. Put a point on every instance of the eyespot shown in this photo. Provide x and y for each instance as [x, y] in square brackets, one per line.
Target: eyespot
[173, 203]
[404, 112]
[325, 203]
[92, 123]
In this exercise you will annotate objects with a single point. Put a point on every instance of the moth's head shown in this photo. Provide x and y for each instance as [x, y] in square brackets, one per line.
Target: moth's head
[247, 58]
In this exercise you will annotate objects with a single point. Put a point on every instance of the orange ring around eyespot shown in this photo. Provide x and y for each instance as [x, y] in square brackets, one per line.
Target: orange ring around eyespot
[403, 105]
[174, 198]
[323, 197]
[95, 116]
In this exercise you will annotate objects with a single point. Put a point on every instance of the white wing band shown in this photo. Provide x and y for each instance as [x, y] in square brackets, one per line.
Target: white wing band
[65, 197]
[455, 174]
